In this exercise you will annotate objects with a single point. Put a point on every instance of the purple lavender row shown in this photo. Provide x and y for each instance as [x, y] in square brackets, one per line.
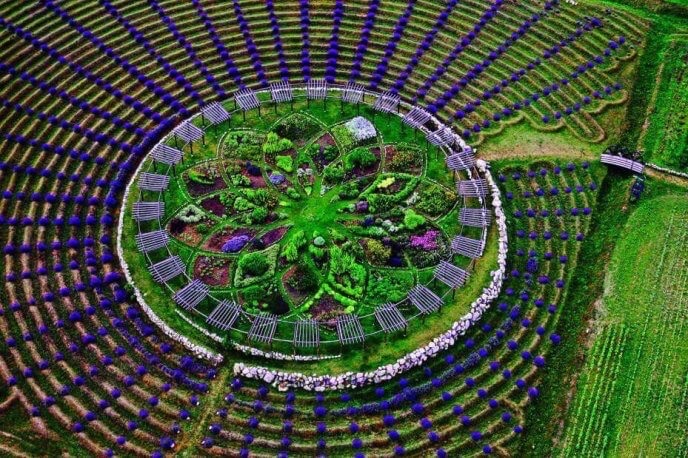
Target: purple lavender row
[50, 197]
[391, 47]
[91, 261]
[279, 46]
[112, 54]
[63, 123]
[305, 23]
[463, 43]
[139, 38]
[333, 49]
[429, 38]
[47, 173]
[547, 90]
[84, 156]
[187, 363]
[231, 67]
[59, 150]
[94, 371]
[250, 44]
[586, 100]
[493, 55]
[188, 47]
[98, 81]
[364, 40]
[84, 105]
[546, 55]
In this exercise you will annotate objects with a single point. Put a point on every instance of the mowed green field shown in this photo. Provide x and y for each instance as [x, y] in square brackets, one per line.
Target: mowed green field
[632, 396]
[666, 139]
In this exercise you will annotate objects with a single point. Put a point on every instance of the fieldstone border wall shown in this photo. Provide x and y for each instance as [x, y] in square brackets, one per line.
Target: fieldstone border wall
[280, 356]
[286, 380]
[667, 171]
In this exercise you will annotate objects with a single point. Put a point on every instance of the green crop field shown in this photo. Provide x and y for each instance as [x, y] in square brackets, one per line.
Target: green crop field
[632, 395]
[666, 139]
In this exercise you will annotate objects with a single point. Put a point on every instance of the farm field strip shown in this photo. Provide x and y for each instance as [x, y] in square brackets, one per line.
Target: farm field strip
[644, 366]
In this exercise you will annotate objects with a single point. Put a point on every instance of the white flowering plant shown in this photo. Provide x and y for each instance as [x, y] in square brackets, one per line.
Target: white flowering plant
[361, 129]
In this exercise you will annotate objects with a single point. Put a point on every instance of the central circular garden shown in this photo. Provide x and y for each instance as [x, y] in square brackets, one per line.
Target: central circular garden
[313, 213]
[314, 219]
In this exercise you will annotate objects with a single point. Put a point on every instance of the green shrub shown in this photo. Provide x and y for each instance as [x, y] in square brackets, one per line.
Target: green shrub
[290, 251]
[344, 137]
[300, 239]
[202, 228]
[393, 287]
[413, 220]
[254, 264]
[253, 294]
[381, 202]
[317, 252]
[330, 153]
[297, 126]
[333, 173]
[285, 163]
[242, 144]
[199, 177]
[274, 144]
[260, 197]
[377, 252]
[304, 279]
[293, 193]
[227, 199]
[360, 157]
[404, 160]
[348, 190]
[259, 214]
[435, 200]
[242, 204]
[240, 180]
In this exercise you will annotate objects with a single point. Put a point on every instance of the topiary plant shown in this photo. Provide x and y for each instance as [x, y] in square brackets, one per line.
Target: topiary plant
[413, 220]
[285, 163]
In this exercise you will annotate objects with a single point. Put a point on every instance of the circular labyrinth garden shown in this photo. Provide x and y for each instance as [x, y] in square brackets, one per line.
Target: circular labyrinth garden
[343, 229]
[309, 215]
